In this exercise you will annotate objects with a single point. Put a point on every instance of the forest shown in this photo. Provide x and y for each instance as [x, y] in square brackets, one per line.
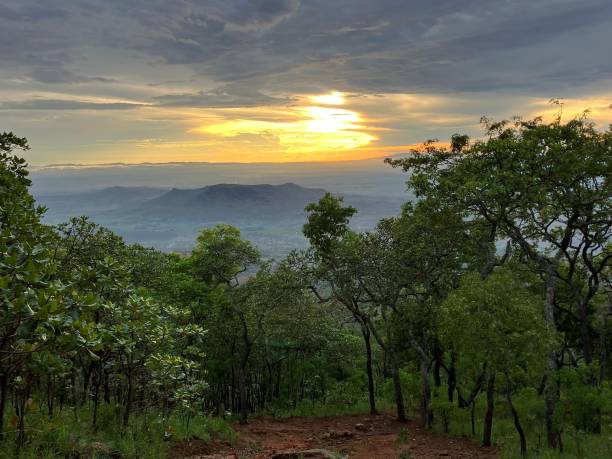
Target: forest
[483, 310]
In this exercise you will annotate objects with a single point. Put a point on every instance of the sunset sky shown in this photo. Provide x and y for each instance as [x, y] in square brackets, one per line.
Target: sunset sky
[104, 81]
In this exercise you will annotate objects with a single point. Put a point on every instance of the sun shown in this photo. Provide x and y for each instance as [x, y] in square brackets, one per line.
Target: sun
[317, 127]
[330, 120]
[333, 98]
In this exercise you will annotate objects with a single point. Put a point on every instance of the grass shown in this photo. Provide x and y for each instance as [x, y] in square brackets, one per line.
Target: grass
[147, 436]
[402, 436]
[575, 445]
[152, 436]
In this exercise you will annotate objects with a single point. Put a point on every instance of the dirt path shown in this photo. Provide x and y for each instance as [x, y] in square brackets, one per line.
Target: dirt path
[355, 437]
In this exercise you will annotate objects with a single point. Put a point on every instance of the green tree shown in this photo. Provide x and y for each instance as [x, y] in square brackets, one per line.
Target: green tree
[37, 324]
[498, 321]
[546, 188]
[332, 267]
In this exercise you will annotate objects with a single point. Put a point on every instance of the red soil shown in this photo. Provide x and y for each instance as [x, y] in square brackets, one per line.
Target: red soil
[355, 437]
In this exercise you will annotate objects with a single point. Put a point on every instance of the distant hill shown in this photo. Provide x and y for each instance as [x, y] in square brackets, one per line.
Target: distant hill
[94, 202]
[231, 202]
[271, 216]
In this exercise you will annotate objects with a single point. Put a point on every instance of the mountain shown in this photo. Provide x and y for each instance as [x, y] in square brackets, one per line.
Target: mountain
[231, 203]
[93, 202]
[271, 216]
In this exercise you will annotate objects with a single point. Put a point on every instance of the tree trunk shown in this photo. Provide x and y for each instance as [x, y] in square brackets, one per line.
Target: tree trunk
[426, 412]
[96, 400]
[77, 387]
[473, 416]
[603, 356]
[242, 387]
[452, 378]
[551, 390]
[397, 386]
[242, 383]
[3, 397]
[436, 371]
[368, 347]
[50, 396]
[128, 400]
[488, 420]
[106, 388]
[517, 421]
[585, 334]
[21, 413]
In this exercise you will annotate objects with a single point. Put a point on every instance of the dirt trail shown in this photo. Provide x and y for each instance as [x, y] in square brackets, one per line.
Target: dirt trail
[355, 437]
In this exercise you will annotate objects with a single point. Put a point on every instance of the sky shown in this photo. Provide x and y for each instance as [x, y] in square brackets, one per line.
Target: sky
[132, 81]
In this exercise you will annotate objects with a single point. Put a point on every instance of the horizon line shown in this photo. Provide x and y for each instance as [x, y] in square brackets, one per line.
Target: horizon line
[212, 163]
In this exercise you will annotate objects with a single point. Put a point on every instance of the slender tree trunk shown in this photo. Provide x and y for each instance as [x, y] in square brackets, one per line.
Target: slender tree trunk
[517, 421]
[436, 371]
[50, 396]
[96, 400]
[21, 402]
[603, 356]
[3, 397]
[242, 387]
[106, 388]
[488, 420]
[551, 390]
[397, 386]
[452, 378]
[21, 411]
[242, 383]
[473, 416]
[585, 333]
[368, 347]
[128, 399]
[426, 413]
[77, 387]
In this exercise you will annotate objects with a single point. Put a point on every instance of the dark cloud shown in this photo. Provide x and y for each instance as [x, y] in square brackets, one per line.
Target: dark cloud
[226, 96]
[62, 104]
[272, 46]
[58, 75]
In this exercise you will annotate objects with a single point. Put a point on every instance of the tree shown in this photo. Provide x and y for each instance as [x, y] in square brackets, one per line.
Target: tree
[36, 323]
[408, 265]
[333, 268]
[218, 260]
[545, 187]
[499, 322]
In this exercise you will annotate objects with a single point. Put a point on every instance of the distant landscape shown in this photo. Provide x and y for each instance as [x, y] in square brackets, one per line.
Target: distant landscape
[170, 203]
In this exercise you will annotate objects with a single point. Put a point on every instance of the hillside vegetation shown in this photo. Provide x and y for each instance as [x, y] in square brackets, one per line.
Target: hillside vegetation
[484, 309]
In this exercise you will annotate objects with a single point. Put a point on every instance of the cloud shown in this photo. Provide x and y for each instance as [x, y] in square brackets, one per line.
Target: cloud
[56, 75]
[258, 15]
[289, 46]
[65, 104]
[223, 97]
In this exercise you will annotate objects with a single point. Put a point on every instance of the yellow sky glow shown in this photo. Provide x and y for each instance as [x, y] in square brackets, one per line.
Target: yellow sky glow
[313, 127]
[304, 132]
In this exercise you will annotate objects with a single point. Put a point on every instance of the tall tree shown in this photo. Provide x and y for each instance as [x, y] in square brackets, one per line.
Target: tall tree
[546, 188]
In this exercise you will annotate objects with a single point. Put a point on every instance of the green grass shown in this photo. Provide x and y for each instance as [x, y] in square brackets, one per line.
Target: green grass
[402, 436]
[576, 446]
[147, 436]
[151, 436]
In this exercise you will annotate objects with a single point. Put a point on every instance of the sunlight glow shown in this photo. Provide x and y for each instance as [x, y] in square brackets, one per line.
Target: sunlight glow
[302, 130]
[333, 98]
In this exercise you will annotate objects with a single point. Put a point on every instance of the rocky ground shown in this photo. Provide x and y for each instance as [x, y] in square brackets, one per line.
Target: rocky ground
[354, 437]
